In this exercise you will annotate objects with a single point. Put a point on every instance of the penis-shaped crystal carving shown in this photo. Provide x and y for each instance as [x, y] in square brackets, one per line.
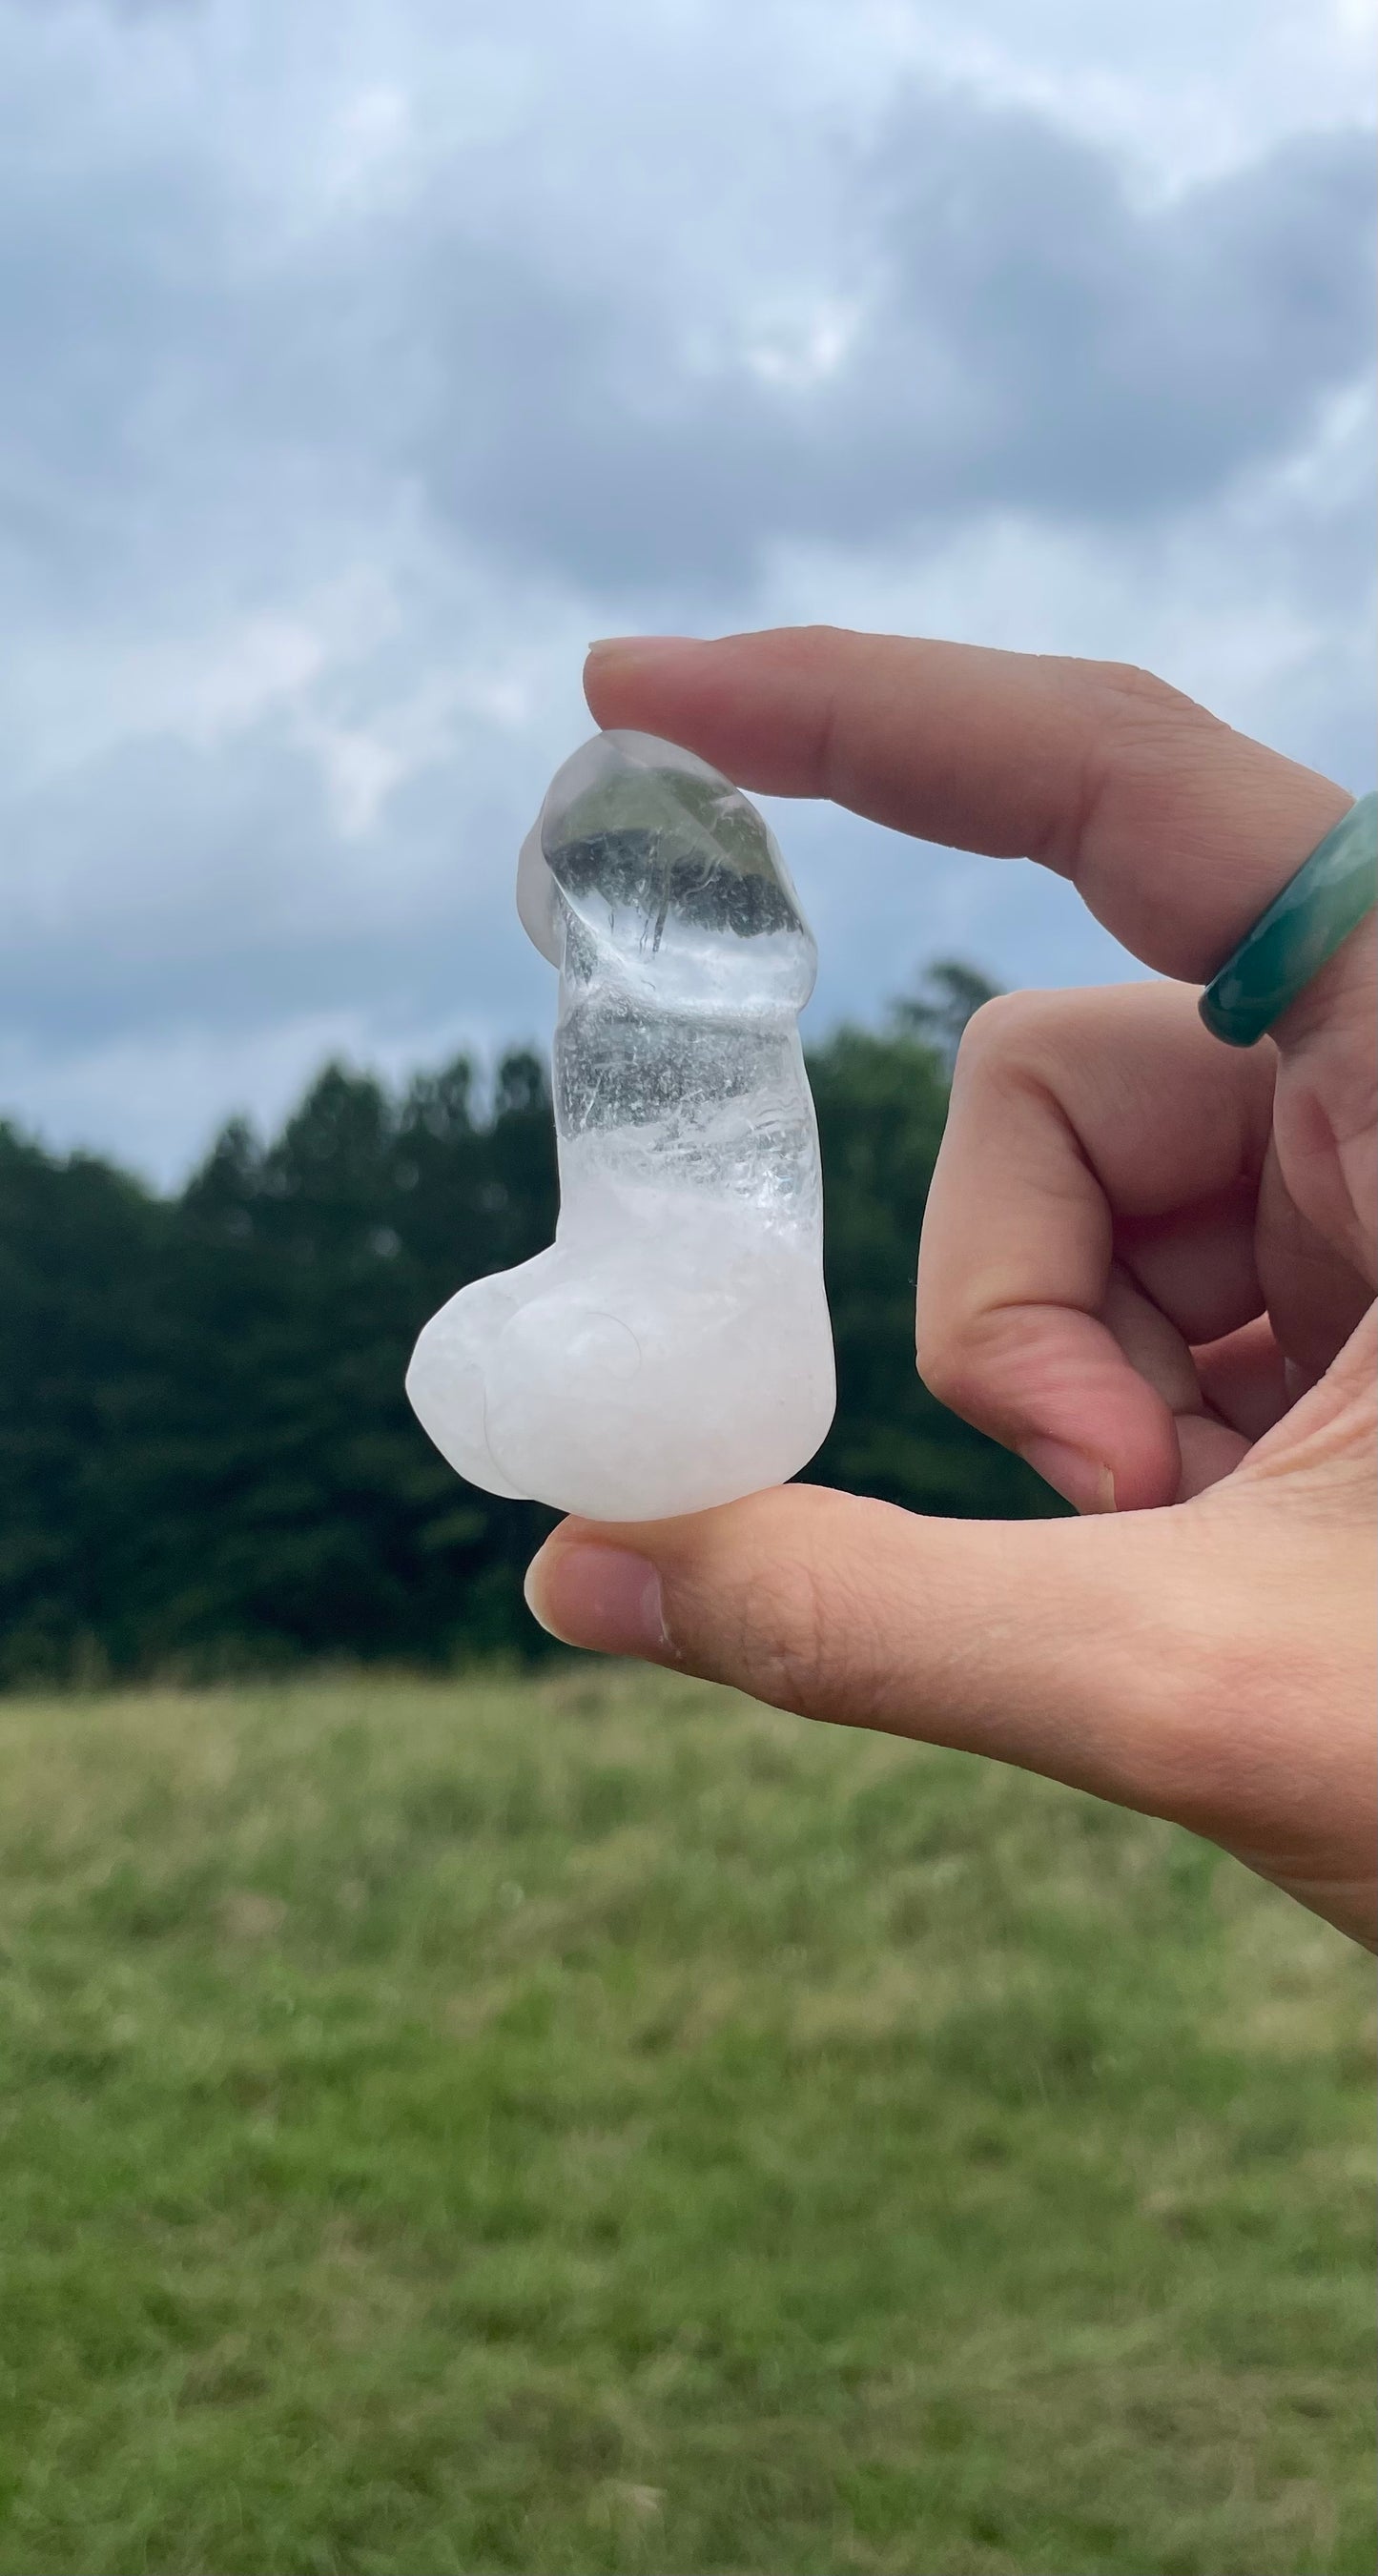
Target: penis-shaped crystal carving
[672, 1348]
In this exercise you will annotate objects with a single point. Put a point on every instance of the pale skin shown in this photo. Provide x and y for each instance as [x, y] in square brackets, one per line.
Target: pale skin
[1148, 1264]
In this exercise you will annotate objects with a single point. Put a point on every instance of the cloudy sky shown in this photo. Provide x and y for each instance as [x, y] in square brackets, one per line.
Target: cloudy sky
[362, 358]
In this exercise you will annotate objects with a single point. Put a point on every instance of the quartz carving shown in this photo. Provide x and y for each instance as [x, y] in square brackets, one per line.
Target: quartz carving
[672, 1348]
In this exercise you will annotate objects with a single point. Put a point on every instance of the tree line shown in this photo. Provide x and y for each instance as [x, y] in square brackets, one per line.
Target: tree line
[207, 1463]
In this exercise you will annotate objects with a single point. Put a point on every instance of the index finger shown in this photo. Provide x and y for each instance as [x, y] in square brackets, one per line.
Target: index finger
[1175, 830]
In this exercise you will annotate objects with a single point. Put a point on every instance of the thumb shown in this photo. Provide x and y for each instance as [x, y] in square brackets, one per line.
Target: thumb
[1041, 1642]
[1202, 1663]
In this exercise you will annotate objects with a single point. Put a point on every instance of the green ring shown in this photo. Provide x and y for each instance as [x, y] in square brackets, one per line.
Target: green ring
[1303, 926]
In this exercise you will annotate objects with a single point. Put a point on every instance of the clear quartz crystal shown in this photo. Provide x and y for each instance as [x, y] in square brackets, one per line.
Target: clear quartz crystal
[672, 1349]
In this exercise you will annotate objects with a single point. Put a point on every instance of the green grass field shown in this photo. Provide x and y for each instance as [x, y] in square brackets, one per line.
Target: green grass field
[598, 2124]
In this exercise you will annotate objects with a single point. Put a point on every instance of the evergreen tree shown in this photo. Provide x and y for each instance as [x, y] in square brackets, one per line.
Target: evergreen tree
[206, 1456]
[949, 994]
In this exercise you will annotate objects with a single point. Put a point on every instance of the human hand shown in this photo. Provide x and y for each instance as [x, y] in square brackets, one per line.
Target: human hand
[1148, 1264]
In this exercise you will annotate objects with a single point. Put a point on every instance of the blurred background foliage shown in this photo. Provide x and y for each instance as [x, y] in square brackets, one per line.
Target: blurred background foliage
[207, 1462]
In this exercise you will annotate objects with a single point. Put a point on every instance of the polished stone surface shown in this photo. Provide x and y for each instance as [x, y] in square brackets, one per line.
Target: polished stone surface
[672, 1349]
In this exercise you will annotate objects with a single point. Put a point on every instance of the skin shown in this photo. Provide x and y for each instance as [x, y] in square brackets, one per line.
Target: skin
[1148, 1264]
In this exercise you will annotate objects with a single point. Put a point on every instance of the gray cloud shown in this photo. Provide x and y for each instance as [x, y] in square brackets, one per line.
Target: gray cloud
[217, 865]
[1027, 339]
[327, 439]
[1022, 335]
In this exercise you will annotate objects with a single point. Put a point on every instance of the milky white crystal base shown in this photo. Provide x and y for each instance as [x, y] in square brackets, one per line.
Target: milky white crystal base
[667, 1353]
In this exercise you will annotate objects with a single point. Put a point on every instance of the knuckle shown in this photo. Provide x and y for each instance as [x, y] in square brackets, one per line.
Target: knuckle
[1135, 724]
[1006, 1031]
[804, 1633]
[1132, 685]
[956, 1363]
[945, 1369]
[815, 648]
[1125, 693]
[787, 1642]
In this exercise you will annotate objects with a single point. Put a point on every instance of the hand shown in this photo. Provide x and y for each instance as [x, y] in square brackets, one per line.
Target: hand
[1148, 1264]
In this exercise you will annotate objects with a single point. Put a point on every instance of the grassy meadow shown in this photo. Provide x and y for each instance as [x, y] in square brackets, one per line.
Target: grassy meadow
[598, 2124]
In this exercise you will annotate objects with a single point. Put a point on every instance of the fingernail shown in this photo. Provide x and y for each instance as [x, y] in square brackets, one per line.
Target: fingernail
[601, 1597]
[640, 646]
[1073, 1473]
